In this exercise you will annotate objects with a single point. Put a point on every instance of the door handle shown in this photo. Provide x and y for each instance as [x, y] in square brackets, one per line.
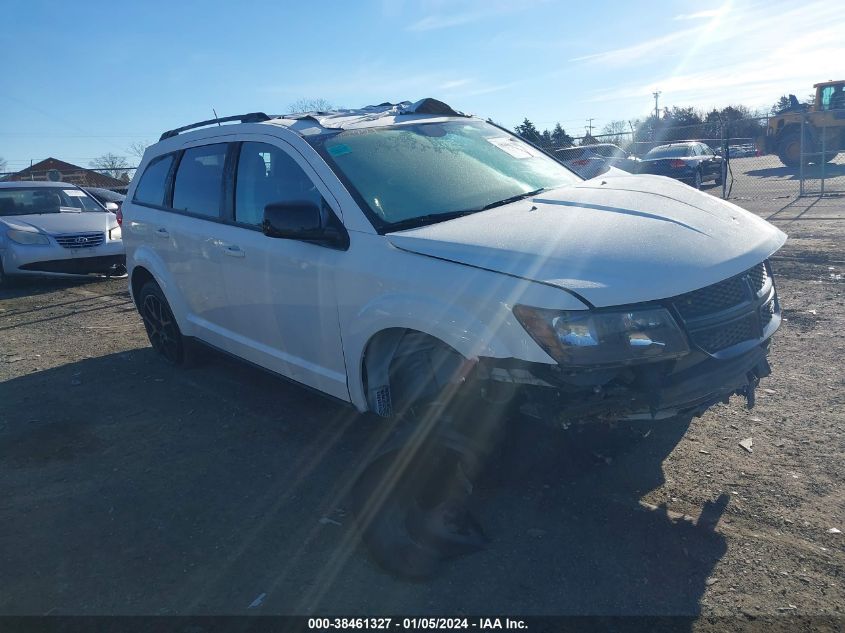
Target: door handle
[233, 251]
[162, 232]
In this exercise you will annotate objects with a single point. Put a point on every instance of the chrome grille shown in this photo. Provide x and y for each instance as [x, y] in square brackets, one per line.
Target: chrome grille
[80, 240]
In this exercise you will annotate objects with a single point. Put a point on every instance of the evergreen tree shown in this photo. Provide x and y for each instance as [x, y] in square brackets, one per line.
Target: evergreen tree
[780, 105]
[528, 132]
[560, 138]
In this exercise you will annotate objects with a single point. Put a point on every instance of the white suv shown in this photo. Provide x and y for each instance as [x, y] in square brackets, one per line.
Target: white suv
[388, 255]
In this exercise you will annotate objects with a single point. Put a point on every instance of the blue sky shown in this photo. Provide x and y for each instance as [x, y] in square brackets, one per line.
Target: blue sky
[85, 78]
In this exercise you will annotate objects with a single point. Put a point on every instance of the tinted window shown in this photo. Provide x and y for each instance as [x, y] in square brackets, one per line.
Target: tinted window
[268, 174]
[150, 189]
[569, 153]
[669, 151]
[198, 187]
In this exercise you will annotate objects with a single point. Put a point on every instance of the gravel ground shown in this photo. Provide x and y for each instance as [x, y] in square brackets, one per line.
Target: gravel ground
[133, 488]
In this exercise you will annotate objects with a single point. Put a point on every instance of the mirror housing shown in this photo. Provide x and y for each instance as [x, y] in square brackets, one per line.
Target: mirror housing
[303, 221]
[111, 206]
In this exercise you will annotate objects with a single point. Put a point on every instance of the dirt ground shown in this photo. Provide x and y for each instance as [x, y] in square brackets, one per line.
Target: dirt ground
[132, 488]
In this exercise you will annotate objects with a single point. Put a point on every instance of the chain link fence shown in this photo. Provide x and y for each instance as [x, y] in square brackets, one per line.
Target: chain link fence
[821, 137]
[759, 159]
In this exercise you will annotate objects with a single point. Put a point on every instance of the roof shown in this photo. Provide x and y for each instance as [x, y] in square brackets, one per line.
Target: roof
[35, 184]
[830, 82]
[315, 123]
[671, 143]
[68, 172]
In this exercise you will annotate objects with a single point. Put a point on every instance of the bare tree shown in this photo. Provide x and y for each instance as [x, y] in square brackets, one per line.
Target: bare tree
[616, 132]
[136, 150]
[2, 164]
[110, 164]
[310, 105]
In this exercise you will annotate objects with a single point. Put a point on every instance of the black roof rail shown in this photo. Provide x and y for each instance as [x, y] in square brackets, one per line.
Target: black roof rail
[251, 117]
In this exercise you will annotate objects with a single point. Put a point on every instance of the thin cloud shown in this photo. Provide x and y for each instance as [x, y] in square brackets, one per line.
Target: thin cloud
[637, 52]
[439, 21]
[454, 83]
[701, 15]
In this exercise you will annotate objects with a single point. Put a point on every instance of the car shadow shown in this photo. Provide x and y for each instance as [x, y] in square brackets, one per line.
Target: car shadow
[134, 487]
[17, 287]
[793, 173]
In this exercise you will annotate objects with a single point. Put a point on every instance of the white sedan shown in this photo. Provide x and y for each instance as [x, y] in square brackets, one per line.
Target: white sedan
[56, 228]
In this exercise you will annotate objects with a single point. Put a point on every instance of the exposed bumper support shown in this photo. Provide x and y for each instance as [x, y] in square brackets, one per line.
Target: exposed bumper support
[645, 392]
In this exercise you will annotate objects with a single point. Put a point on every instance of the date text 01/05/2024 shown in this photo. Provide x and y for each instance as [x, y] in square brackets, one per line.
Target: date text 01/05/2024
[318, 624]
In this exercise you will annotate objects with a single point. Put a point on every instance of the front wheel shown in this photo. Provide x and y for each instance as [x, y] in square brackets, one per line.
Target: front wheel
[789, 149]
[162, 330]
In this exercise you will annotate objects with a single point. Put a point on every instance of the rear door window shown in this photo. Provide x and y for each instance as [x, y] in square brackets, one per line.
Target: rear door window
[151, 187]
[198, 186]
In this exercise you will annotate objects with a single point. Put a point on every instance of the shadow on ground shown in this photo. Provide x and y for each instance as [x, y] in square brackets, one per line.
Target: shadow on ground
[16, 287]
[134, 488]
[830, 170]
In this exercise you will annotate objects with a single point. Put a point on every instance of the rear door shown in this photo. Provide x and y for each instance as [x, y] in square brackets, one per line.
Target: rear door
[192, 232]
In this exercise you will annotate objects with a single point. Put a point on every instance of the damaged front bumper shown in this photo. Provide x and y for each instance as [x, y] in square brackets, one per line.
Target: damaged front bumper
[644, 392]
[729, 326]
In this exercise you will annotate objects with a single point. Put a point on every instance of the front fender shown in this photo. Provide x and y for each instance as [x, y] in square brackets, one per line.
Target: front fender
[502, 337]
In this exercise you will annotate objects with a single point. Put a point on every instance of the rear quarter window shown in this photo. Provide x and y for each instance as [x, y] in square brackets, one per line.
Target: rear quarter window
[151, 187]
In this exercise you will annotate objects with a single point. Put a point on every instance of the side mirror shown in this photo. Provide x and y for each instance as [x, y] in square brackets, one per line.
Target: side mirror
[111, 206]
[303, 221]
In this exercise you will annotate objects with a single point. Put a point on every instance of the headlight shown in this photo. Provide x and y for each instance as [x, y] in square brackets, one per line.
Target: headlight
[27, 237]
[587, 339]
[114, 234]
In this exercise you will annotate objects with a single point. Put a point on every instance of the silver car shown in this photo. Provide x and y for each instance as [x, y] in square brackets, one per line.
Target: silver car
[56, 228]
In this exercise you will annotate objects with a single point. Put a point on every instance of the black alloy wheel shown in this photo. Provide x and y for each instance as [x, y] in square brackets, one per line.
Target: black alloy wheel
[160, 324]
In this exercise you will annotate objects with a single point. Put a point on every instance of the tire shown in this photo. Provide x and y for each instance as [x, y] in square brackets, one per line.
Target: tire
[161, 326]
[118, 272]
[789, 149]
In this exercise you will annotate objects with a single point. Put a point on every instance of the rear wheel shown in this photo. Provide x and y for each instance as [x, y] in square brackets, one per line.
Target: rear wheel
[162, 330]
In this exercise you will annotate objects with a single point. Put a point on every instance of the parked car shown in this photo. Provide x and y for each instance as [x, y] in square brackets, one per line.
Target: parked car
[690, 162]
[56, 228]
[589, 161]
[111, 200]
[419, 263]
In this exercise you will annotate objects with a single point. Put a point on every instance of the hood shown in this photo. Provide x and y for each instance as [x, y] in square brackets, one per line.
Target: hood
[613, 241]
[55, 223]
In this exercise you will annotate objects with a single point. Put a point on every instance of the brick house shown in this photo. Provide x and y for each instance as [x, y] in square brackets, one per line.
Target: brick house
[55, 169]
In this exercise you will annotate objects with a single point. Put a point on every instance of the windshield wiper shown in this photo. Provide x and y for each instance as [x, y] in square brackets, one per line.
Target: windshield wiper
[431, 218]
[517, 198]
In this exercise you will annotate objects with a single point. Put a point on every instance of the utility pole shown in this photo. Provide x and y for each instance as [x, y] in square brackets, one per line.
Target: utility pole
[656, 94]
[589, 126]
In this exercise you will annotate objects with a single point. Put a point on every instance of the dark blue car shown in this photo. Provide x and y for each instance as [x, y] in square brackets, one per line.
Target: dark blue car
[691, 162]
